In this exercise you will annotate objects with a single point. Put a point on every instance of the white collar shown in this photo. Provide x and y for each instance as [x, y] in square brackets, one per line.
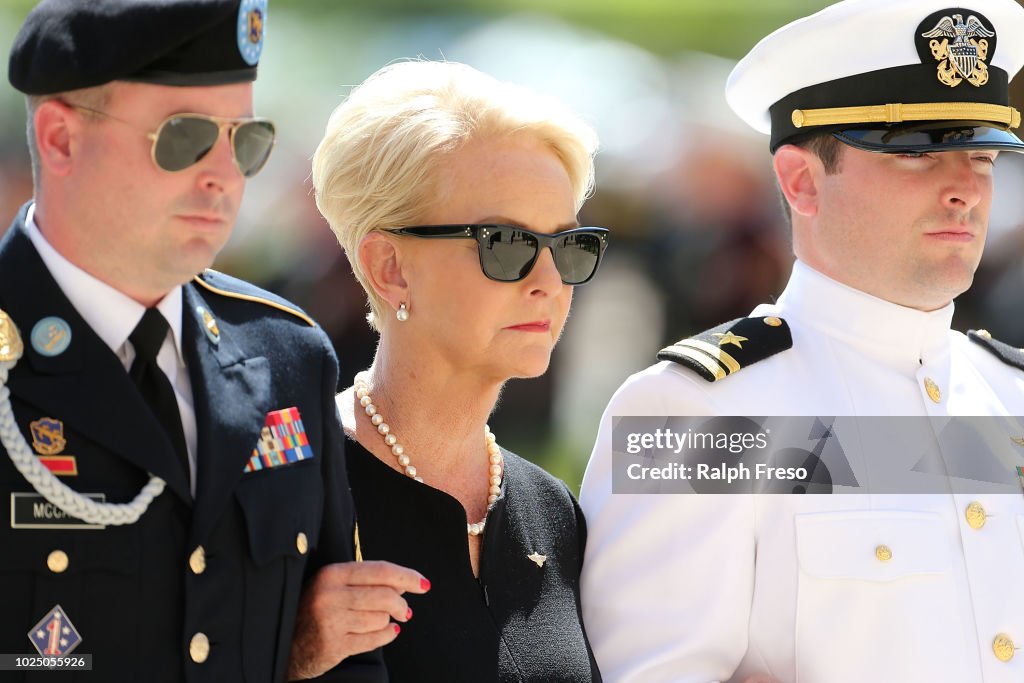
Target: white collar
[110, 313]
[903, 336]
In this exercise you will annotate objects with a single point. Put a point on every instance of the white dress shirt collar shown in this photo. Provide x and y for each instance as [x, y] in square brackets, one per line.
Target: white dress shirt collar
[110, 313]
[900, 336]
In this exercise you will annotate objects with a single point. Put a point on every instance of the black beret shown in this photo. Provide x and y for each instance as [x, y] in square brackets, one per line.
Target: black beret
[70, 44]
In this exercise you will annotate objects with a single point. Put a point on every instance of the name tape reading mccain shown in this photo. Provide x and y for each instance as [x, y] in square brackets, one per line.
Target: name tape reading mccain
[33, 511]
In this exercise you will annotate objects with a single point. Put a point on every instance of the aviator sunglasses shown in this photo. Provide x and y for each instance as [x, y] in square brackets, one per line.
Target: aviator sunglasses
[508, 252]
[182, 140]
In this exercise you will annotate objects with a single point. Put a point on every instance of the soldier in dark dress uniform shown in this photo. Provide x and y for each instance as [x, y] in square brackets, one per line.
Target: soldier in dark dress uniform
[169, 444]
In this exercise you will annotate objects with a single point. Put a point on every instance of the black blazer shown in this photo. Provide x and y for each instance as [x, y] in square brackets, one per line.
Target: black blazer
[520, 621]
[130, 591]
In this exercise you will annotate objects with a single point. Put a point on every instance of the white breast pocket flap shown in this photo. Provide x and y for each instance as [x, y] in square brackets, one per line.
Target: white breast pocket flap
[871, 545]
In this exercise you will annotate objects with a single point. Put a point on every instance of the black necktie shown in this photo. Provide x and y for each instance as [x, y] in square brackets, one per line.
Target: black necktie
[147, 338]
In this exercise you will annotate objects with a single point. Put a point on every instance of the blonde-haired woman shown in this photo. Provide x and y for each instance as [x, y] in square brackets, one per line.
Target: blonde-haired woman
[455, 198]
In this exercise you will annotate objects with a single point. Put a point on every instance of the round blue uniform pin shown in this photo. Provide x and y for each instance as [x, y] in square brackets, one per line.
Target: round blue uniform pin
[252, 18]
[51, 336]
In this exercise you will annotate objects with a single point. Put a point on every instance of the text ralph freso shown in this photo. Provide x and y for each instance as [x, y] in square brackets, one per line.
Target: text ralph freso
[671, 441]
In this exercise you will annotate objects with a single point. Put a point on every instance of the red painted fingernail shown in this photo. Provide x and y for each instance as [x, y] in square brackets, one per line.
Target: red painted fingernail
[398, 629]
[424, 584]
[408, 614]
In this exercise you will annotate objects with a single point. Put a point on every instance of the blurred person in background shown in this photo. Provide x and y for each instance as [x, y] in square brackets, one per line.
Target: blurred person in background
[884, 141]
[455, 198]
[719, 246]
[185, 473]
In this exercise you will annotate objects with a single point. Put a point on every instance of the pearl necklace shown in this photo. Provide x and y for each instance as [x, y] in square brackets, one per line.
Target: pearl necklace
[391, 441]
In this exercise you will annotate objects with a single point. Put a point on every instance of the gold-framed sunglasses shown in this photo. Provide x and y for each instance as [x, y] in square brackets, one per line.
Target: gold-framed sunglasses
[182, 140]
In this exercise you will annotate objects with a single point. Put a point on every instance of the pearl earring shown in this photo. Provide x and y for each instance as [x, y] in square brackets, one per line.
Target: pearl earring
[402, 313]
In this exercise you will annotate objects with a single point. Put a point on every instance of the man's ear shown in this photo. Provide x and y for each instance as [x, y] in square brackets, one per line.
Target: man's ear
[382, 263]
[799, 172]
[56, 124]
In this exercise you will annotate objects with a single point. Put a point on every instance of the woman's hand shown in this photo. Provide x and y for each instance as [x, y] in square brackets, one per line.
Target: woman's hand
[347, 609]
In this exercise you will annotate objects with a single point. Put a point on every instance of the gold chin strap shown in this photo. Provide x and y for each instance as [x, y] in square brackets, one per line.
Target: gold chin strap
[898, 113]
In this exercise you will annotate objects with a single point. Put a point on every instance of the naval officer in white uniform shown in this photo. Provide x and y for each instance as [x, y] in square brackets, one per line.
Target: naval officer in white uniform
[886, 118]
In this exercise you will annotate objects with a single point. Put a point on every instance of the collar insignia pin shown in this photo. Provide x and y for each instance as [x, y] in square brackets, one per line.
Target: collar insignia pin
[51, 336]
[209, 324]
[537, 559]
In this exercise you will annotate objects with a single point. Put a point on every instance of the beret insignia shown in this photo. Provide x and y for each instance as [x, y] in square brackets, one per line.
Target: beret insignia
[252, 15]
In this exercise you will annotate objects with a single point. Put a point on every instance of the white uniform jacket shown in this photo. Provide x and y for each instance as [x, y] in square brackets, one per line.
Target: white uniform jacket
[699, 588]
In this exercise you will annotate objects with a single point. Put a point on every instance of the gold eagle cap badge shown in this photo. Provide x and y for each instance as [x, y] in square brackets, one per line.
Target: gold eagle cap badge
[964, 57]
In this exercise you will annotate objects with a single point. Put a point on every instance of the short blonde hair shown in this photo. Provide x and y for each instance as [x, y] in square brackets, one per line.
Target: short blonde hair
[375, 166]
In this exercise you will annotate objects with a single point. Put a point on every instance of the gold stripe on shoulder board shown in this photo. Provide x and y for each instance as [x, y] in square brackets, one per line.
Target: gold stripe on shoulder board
[707, 363]
[248, 297]
[715, 352]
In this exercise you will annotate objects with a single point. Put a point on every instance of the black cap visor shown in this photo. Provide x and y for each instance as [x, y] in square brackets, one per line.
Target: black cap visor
[941, 136]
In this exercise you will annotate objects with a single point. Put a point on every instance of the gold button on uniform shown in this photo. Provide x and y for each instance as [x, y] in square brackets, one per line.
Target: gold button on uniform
[772, 321]
[197, 560]
[933, 390]
[57, 561]
[883, 553]
[199, 648]
[1003, 647]
[302, 543]
[975, 515]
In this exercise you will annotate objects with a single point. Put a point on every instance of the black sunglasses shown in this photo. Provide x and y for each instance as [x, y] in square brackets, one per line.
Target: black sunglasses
[184, 139]
[508, 252]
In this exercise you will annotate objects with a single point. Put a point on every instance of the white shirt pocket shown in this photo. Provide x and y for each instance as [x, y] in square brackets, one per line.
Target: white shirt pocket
[877, 599]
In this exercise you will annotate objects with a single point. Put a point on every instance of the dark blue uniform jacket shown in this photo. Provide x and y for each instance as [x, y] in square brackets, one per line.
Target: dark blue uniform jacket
[130, 591]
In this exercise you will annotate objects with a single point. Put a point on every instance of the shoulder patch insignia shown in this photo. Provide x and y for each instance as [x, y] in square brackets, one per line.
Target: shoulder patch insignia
[201, 280]
[1010, 355]
[726, 349]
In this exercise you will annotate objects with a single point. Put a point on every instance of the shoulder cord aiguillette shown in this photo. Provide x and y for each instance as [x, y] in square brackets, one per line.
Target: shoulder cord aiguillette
[43, 480]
